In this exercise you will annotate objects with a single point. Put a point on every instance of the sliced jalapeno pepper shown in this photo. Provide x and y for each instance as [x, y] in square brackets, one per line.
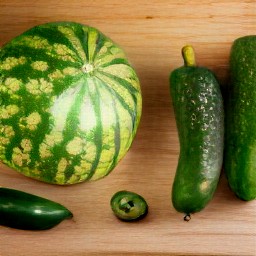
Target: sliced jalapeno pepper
[128, 206]
[22, 210]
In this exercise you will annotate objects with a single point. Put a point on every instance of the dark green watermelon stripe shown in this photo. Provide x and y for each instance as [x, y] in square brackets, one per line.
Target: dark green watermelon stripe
[83, 37]
[69, 132]
[98, 139]
[117, 139]
[118, 97]
[72, 119]
[53, 35]
[60, 85]
[123, 83]
[33, 54]
[38, 137]
[72, 125]
[74, 41]
[113, 62]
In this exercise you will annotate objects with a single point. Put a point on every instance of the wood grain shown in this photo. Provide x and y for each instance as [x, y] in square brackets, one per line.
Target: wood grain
[152, 34]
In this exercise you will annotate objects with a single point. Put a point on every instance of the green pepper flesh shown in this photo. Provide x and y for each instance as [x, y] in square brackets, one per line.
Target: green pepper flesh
[128, 206]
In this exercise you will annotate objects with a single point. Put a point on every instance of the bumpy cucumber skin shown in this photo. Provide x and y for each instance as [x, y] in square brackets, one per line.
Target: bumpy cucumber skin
[199, 114]
[240, 135]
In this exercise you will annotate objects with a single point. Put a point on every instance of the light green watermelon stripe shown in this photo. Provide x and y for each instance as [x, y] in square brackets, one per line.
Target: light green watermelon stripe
[113, 62]
[89, 39]
[92, 42]
[101, 40]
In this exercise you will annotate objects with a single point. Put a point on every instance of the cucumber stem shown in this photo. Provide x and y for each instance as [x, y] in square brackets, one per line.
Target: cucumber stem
[188, 55]
[187, 217]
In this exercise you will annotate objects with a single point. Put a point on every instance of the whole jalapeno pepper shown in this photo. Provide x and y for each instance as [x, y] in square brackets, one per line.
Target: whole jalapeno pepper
[22, 210]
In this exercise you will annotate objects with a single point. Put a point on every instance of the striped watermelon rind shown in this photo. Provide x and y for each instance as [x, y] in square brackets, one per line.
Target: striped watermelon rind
[70, 103]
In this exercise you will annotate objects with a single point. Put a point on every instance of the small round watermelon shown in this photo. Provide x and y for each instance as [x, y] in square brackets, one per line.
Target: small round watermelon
[70, 103]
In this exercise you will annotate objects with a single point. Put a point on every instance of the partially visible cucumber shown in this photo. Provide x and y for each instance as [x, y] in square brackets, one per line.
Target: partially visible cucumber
[199, 114]
[240, 139]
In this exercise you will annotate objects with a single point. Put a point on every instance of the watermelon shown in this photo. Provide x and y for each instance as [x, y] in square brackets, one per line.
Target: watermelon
[70, 103]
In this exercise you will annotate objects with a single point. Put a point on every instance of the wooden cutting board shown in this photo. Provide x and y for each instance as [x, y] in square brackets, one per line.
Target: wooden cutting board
[152, 34]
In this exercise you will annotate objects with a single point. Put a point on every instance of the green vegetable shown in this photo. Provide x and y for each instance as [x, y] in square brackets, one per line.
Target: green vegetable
[70, 103]
[198, 108]
[21, 210]
[240, 139]
[128, 206]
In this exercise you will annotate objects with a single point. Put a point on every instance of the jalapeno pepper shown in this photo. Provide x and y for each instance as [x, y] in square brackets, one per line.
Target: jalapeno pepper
[22, 210]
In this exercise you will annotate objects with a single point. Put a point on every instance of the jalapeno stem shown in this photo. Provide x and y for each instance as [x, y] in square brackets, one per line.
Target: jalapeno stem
[188, 55]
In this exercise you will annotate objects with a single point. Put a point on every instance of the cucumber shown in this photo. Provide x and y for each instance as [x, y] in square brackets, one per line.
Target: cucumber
[240, 135]
[199, 114]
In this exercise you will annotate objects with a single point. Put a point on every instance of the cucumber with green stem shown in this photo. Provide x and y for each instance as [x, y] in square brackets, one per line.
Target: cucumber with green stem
[199, 114]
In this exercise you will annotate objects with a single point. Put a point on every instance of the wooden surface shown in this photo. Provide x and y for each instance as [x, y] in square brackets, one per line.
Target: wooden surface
[152, 34]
